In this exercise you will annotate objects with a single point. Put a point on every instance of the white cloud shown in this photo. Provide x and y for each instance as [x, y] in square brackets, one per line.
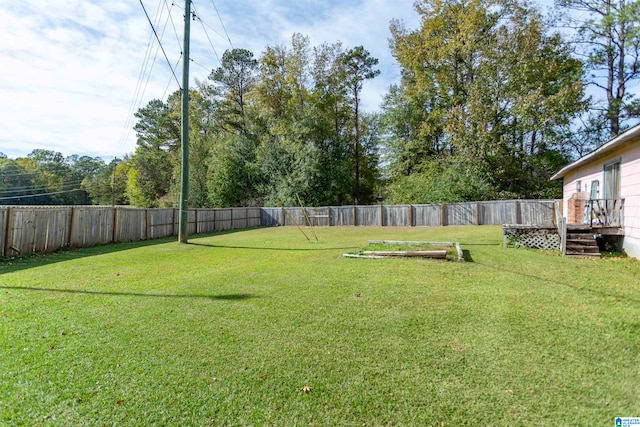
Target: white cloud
[70, 68]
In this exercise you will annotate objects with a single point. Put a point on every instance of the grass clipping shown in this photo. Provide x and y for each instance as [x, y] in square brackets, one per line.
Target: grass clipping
[378, 249]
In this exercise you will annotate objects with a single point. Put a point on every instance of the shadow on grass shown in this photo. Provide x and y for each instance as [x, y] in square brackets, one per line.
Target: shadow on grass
[68, 254]
[270, 248]
[9, 265]
[578, 288]
[223, 297]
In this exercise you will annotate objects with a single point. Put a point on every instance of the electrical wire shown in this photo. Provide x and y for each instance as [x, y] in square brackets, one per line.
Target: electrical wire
[38, 187]
[222, 23]
[173, 25]
[41, 194]
[206, 33]
[199, 64]
[146, 70]
[10, 175]
[136, 93]
[166, 89]
[159, 42]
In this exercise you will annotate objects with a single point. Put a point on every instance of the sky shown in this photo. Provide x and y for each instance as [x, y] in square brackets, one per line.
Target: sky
[73, 72]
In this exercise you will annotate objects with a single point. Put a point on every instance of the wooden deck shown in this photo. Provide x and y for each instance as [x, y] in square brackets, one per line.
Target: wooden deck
[582, 239]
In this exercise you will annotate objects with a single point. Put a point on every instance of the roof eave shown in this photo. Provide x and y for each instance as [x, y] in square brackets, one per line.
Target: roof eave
[613, 143]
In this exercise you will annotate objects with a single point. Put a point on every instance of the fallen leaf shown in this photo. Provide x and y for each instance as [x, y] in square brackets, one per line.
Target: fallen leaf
[63, 333]
[119, 402]
[509, 391]
[263, 376]
[306, 389]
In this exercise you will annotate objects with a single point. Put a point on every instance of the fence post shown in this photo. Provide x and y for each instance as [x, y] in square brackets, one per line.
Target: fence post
[442, 215]
[7, 233]
[478, 213]
[355, 215]
[71, 224]
[411, 217]
[563, 235]
[381, 217]
[115, 225]
[147, 226]
[518, 213]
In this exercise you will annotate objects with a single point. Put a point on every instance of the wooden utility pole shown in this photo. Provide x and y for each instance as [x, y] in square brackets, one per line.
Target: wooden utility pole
[184, 188]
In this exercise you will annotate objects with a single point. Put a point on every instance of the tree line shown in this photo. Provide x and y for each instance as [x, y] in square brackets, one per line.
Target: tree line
[490, 103]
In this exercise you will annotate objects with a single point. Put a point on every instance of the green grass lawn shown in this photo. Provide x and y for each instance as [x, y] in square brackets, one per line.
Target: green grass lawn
[262, 327]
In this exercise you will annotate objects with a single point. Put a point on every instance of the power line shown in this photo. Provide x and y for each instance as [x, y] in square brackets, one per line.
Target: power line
[40, 194]
[205, 32]
[146, 70]
[5, 175]
[169, 83]
[38, 187]
[172, 24]
[145, 62]
[199, 64]
[222, 23]
[159, 42]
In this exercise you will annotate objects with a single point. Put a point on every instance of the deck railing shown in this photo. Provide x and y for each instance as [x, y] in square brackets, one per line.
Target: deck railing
[604, 212]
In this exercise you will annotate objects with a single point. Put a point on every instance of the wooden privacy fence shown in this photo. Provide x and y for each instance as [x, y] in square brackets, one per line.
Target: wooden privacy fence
[529, 212]
[29, 229]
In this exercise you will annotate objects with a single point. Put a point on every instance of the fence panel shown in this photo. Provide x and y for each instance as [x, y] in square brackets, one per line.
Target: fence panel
[91, 226]
[319, 216]
[206, 220]
[161, 223]
[397, 216]
[341, 215]
[368, 215]
[38, 230]
[461, 213]
[427, 215]
[131, 225]
[239, 218]
[223, 219]
[254, 217]
[499, 212]
[536, 212]
[271, 217]
[191, 221]
[294, 216]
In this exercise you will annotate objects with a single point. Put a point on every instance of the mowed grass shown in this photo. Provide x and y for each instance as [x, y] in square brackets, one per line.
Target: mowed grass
[262, 327]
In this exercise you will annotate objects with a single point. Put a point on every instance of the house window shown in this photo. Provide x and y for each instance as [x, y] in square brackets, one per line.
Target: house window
[611, 186]
[578, 186]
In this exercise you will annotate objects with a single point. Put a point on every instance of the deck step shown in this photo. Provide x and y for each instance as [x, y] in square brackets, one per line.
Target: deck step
[583, 255]
[581, 243]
